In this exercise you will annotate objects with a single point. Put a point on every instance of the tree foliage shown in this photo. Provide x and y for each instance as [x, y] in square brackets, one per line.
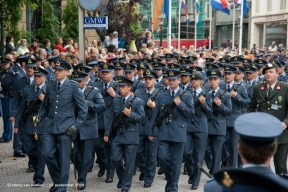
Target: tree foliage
[49, 22]
[13, 14]
[70, 19]
[125, 17]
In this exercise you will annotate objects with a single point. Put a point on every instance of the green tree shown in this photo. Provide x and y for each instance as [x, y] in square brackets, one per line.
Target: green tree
[49, 22]
[70, 20]
[13, 14]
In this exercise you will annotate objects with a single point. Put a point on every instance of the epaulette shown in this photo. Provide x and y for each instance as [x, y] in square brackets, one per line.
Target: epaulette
[210, 179]
[72, 81]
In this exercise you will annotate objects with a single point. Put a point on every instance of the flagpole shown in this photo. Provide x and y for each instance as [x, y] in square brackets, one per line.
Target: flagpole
[241, 26]
[195, 33]
[210, 30]
[179, 20]
[169, 26]
[233, 28]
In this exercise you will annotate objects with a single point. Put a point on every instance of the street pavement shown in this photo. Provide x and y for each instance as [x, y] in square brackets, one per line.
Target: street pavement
[13, 177]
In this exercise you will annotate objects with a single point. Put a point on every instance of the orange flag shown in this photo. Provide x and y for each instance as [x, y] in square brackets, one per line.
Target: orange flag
[156, 9]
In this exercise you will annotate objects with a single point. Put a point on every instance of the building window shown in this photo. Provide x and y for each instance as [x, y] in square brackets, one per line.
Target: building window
[283, 4]
[269, 6]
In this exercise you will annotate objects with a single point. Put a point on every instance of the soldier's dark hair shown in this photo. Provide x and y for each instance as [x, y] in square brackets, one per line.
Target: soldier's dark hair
[256, 156]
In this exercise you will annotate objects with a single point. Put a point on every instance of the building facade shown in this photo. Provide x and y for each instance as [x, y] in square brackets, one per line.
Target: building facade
[269, 22]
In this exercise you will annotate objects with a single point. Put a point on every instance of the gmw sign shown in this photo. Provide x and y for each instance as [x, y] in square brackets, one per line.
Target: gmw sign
[96, 22]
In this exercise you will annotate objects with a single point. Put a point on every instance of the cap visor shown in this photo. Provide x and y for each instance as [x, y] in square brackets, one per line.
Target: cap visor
[40, 74]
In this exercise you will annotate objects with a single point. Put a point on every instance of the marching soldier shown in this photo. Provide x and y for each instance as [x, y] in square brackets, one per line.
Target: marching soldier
[251, 73]
[26, 121]
[197, 129]
[185, 78]
[51, 76]
[129, 70]
[129, 113]
[147, 148]
[257, 145]
[221, 107]
[7, 78]
[118, 69]
[239, 99]
[60, 124]
[19, 85]
[282, 77]
[84, 138]
[94, 71]
[271, 97]
[109, 90]
[173, 109]
[158, 68]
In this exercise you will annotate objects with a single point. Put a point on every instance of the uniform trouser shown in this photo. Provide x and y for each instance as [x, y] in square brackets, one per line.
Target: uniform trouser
[171, 155]
[6, 109]
[17, 142]
[82, 154]
[147, 157]
[103, 151]
[194, 150]
[233, 149]
[33, 149]
[128, 153]
[59, 172]
[215, 142]
[280, 159]
[100, 150]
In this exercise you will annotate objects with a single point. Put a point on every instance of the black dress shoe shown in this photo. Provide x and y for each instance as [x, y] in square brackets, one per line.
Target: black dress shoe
[124, 190]
[141, 177]
[185, 172]
[30, 170]
[160, 171]
[101, 172]
[89, 170]
[194, 187]
[119, 184]
[147, 185]
[167, 187]
[53, 188]
[190, 180]
[19, 155]
[37, 184]
[109, 180]
[81, 186]
[3, 140]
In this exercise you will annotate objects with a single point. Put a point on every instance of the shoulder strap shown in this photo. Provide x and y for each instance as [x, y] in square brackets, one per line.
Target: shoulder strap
[87, 91]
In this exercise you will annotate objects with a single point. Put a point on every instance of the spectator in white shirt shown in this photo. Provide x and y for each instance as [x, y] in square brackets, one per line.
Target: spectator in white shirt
[273, 48]
[23, 47]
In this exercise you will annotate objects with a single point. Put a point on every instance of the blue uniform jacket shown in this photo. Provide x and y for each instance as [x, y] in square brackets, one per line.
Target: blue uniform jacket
[239, 103]
[7, 78]
[58, 107]
[175, 130]
[130, 135]
[29, 95]
[50, 76]
[96, 106]
[143, 127]
[199, 123]
[106, 118]
[217, 124]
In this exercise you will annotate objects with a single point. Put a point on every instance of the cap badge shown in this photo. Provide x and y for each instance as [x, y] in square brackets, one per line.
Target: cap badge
[76, 74]
[260, 61]
[105, 66]
[213, 72]
[36, 70]
[171, 73]
[119, 79]
[29, 61]
[127, 66]
[148, 72]
[227, 181]
[57, 63]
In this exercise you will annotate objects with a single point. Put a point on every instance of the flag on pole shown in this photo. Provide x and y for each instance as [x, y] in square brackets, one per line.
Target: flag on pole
[245, 5]
[166, 8]
[183, 6]
[197, 13]
[221, 5]
[156, 9]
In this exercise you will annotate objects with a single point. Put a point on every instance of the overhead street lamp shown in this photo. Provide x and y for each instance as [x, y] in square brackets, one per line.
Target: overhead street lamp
[161, 20]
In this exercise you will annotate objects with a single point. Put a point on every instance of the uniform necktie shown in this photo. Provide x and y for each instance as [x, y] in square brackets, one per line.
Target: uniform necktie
[213, 95]
[214, 104]
[165, 89]
[173, 94]
[157, 81]
[148, 95]
[183, 87]
[269, 91]
[228, 89]
[123, 101]
[28, 81]
[194, 94]
[37, 90]
[58, 85]
[105, 87]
